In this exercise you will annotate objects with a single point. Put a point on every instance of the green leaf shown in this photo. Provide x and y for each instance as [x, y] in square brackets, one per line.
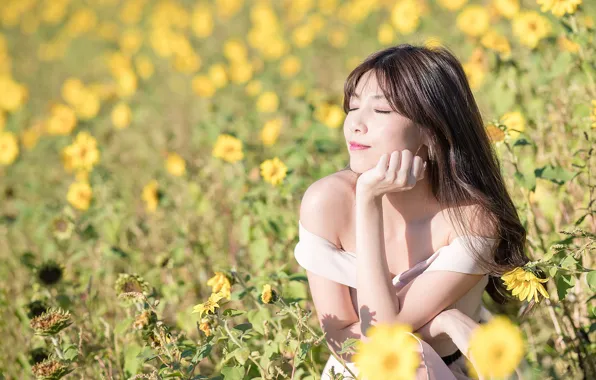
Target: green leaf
[561, 64]
[591, 280]
[569, 262]
[241, 355]
[131, 361]
[71, 352]
[233, 373]
[257, 317]
[348, 344]
[554, 174]
[202, 353]
[564, 283]
[245, 230]
[122, 326]
[233, 312]
[527, 181]
[259, 252]
[244, 327]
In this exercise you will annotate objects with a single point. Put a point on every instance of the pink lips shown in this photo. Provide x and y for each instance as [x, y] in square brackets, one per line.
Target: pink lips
[358, 147]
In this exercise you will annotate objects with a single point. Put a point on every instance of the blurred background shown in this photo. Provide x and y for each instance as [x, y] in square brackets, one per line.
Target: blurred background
[155, 152]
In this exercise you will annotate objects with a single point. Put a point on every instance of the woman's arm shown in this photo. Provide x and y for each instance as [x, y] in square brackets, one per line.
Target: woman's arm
[418, 302]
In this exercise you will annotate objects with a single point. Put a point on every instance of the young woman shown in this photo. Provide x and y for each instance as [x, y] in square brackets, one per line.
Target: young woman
[420, 224]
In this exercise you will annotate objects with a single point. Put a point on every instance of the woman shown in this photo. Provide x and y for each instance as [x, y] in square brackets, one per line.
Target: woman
[421, 224]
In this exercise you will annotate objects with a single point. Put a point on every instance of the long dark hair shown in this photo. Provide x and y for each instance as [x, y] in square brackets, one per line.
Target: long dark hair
[429, 87]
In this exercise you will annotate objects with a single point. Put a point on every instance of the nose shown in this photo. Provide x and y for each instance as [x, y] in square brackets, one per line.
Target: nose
[358, 125]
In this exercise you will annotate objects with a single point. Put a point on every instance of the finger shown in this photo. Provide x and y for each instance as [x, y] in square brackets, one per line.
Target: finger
[394, 164]
[382, 164]
[416, 166]
[405, 167]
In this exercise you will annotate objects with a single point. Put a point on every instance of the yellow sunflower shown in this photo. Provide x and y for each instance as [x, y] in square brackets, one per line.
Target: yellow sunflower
[496, 347]
[220, 284]
[208, 306]
[390, 353]
[524, 284]
[559, 7]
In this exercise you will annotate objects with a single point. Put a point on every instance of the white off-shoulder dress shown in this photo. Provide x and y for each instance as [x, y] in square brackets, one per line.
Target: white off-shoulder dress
[320, 256]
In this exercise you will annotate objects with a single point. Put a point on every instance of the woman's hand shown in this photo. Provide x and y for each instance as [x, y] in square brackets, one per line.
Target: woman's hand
[393, 173]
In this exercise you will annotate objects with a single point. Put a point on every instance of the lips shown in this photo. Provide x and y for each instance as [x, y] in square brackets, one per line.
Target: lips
[355, 146]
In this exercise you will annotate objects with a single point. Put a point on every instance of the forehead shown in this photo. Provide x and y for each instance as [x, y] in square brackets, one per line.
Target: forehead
[368, 85]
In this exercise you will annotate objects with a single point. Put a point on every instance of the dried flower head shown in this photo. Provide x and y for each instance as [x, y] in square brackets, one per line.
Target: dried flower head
[62, 227]
[50, 272]
[50, 369]
[36, 308]
[38, 355]
[127, 283]
[131, 288]
[146, 318]
[51, 322]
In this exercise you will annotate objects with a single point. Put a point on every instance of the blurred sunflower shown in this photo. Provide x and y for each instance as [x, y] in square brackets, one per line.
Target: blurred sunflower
[530, 28]
[50, 272]
[82, 154]
[559, 7]
[220, 283]
[474, 20]
[9, 148]
[391, 352]
[273, 171]
[267, 102]
[507, 8]
[515, 123]
[175, 164]
[121, 115]
[270, 131]
[405, 16]
[79, 195]
[62, 120]
[203, 86]
[228, 148]
[452, 5]
[497, 347]
[151, 195]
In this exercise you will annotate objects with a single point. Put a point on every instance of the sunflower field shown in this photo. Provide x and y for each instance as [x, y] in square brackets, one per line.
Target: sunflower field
[153, 155]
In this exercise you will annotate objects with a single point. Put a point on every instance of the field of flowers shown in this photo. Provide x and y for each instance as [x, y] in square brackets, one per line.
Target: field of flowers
[153, 155]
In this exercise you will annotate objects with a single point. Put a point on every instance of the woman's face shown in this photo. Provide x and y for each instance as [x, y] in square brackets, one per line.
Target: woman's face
[371, 121]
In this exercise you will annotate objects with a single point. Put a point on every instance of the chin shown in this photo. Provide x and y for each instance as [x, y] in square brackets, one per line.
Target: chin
[360, 166]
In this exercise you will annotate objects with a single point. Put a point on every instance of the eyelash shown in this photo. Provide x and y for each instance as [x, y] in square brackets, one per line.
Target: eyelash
[377, 111]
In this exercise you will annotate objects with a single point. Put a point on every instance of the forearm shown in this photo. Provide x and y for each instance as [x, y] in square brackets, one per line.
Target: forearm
[377, 300]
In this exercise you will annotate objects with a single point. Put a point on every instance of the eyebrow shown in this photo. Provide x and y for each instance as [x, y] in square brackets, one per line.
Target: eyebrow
[374, 96]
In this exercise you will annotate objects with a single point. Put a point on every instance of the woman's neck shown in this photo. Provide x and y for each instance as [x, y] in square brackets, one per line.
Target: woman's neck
[410, 206]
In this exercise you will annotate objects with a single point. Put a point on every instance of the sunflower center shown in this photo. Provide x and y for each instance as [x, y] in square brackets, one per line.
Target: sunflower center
[390, 361]
[497, 353]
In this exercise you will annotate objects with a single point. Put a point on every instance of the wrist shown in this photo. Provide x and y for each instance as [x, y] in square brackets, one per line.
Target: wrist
[366, 196]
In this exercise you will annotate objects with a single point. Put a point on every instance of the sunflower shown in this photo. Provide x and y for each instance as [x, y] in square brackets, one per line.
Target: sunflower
[524, 284]
[390, 353]
[559, 7]
[497, 347]
[220, 283]
[208, 306]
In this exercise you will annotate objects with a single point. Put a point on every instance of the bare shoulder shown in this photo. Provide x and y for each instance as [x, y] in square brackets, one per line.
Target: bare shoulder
[477, 220]
[327, 203]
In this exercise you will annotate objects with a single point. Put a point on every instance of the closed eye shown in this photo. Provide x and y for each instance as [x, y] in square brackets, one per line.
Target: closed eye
[377, 111]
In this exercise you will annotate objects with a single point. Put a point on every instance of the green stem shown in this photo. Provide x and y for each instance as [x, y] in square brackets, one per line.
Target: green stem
[57, 347]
